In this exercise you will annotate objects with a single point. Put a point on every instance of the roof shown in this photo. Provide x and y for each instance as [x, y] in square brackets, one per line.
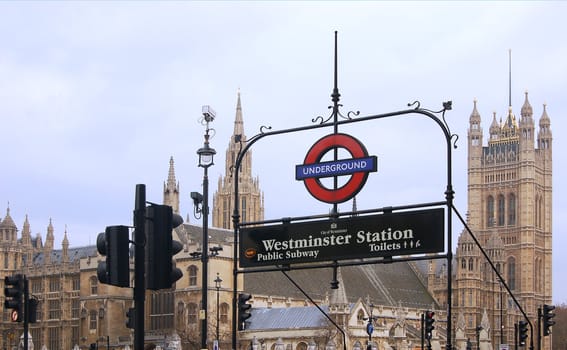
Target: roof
[75, 254]
[287, 318]
[385, 284]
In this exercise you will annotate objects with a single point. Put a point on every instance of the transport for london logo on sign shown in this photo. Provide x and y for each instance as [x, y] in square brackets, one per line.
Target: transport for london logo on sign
[357, 167]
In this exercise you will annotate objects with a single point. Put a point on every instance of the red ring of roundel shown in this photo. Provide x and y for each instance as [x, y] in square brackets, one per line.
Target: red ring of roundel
[353, 185]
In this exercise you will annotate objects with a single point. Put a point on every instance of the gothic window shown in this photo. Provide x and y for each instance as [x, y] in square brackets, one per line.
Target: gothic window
[54, 284]
[74, 335]
[225, 215]
[470, 298]
[490, 211]
[37, 286]
[54, 311]
[360, 317]
[471, 264]
[54, 338]
[161, 310]
[512, 273]
[76, 283]
[464, 264]
[244, 216]
[75, 308]
[501, 210]
[224, 313]
[92, 320]
[94, 285]
[511, 209]
[192, 275]
[192, 314]
[6, 260]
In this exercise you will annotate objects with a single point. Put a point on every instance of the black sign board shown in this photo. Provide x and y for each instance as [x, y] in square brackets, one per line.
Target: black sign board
[388, 234]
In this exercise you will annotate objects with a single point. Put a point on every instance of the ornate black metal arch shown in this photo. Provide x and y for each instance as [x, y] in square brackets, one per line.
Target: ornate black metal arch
[334, 120]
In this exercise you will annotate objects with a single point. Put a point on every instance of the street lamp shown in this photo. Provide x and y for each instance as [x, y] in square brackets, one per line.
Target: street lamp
[370, 326]
[206, 159]
[218, 281]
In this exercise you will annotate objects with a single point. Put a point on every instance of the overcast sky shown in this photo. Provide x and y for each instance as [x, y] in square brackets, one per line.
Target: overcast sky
[95, 97]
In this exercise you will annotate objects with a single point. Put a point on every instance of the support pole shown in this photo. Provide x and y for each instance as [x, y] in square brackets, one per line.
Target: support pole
[139, 267]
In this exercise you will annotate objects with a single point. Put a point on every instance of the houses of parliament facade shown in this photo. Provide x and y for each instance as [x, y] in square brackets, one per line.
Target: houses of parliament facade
[509, 211]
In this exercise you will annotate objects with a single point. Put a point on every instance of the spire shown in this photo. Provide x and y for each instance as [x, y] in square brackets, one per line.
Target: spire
[49, 238]
[238, 122]
[475, 116]
[527, 110]
[26, 233]
[171, 188]
[65, 244]
[171, 174]
[494, 127]
[354, 207]
[338, 296]
[8, 222]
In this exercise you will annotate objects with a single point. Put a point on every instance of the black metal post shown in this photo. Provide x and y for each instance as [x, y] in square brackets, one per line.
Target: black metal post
[218, 281]
[26, 311]
[539, 317]
[139, 267]
[205, 258]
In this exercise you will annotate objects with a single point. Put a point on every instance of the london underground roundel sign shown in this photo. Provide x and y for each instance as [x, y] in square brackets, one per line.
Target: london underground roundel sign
[357, 167]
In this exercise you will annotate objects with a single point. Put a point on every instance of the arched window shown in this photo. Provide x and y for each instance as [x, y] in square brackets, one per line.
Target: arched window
[224, 309]
[464, 264]
[244, 209]
[360, 317]
[192, 270]
[501, 204]
[192, 314]
[92, 320]
[94, 285]
[512, 273]
[490, 211]
[471, 264]
[511, 209]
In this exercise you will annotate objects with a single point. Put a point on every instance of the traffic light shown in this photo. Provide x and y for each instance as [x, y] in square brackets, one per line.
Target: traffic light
[113, 243]
[14, 296]
[160, 247]
[522, 332]
[32, 310]
[429, 320]
[131, 318]
[243, 310]
[548, 321]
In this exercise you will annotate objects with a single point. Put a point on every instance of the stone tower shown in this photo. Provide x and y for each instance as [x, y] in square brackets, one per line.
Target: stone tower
[509, 212]
[251, 197]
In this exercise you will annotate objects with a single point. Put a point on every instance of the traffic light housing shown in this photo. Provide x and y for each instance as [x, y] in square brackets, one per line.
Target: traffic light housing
[243, 310]
[522, 332]
[429, 327]
[32, 310]
[113, 243]
[548, 321]
[14, 296]
[160, 247]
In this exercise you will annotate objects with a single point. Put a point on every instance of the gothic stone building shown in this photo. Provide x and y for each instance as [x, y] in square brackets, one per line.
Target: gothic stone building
[509, 212]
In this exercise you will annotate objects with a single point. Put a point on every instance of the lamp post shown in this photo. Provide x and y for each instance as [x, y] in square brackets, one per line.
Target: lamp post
[206, 155]
[218, 281]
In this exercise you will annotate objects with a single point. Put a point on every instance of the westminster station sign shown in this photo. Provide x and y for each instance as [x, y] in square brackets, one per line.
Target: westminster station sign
[383, 235]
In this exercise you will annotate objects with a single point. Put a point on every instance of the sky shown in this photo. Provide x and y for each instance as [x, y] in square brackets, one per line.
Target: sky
[95, 97]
